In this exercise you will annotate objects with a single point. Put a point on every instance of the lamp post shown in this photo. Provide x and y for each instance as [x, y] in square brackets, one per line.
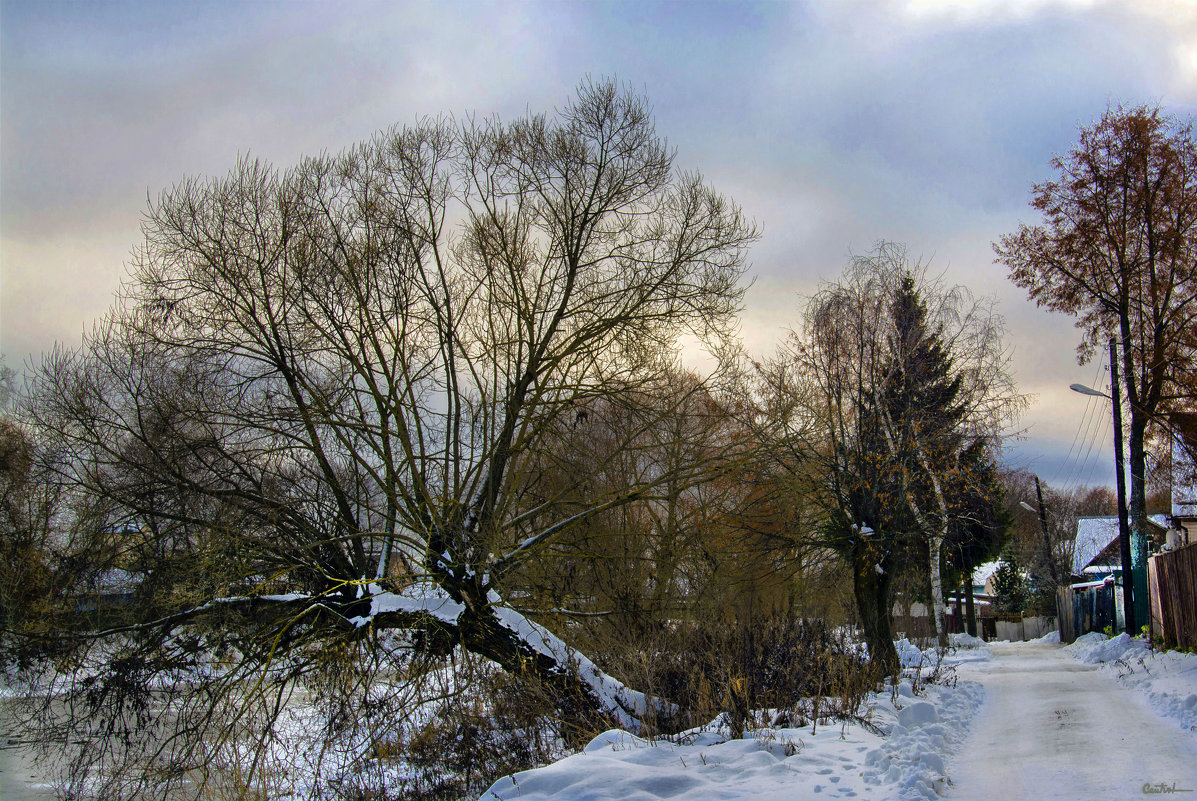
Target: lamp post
[1124, 533]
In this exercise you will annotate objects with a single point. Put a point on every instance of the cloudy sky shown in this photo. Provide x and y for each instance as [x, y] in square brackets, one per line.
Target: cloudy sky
[834, 123]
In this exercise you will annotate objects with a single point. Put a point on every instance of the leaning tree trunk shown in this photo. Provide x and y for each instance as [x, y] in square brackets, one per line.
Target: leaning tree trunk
[471, 615]
[478, 621]
[571, 682]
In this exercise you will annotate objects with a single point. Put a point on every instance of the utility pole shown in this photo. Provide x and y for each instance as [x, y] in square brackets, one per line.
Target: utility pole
[1124, 533]
[1047, 540]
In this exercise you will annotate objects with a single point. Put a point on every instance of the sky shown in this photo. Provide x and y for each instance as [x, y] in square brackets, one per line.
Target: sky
[835, 124]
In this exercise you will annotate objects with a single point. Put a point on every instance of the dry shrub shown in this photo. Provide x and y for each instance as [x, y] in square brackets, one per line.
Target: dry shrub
[797, 668]
[494, 724]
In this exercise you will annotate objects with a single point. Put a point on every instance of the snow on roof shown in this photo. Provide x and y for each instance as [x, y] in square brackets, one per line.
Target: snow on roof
[1094, 535]
[982, 573]
[1099, 583]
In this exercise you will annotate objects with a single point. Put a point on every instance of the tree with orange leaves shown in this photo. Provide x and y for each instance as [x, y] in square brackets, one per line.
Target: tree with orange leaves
[1117, 249]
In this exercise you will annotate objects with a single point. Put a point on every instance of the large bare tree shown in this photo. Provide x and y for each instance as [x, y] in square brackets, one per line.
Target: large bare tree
[318, 396]
[1117, 249]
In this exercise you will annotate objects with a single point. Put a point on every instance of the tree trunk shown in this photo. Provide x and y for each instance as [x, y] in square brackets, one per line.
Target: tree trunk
[937, 604]
[970, 607]
[874, 596]
[936, 537]
[1140, 537]
[959, 605]
[579, 701]
[588, 699]
[478, 621]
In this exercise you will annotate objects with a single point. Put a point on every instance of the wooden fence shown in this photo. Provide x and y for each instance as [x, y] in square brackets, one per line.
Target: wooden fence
[1082, 608]
[1020, 628]
[1172, 583]
[917, 628]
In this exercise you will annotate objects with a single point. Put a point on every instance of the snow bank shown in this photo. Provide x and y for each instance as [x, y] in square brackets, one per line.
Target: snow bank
[772, 763]
[911, 760]
[1166, 679]
[964, 649]
[964, 640]
[1094, 648]
[910, 655]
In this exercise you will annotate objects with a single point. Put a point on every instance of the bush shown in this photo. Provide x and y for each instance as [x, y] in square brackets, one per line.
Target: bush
[730, 667]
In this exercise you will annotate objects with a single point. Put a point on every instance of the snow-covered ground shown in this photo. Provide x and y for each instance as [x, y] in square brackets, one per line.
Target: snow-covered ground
[920, 729]
[1166, 679]
[1098, 719]
[1060, 723]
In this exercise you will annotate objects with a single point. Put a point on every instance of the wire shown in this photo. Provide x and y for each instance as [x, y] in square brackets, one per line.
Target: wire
[1101, 448]
[1092, 422]
[1082, 425]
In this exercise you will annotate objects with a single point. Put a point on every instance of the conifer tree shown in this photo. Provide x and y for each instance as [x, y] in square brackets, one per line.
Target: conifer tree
[1008, 585]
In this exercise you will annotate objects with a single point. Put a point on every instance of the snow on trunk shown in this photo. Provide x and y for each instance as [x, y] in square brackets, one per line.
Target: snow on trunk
[506, 636]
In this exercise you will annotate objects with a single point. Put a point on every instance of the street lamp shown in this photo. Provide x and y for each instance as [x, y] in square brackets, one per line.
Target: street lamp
[1124, 533]
[1084, 390]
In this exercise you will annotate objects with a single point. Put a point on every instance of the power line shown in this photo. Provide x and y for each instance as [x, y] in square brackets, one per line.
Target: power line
[1092, 423]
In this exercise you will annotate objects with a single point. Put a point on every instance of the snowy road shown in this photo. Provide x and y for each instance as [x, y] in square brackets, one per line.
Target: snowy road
[1054, 728]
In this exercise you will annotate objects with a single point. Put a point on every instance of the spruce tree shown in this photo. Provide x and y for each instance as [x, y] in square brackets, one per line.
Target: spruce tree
[949, 483]
[1008, 585]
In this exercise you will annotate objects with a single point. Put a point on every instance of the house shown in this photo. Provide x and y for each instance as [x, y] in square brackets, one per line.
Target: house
[107, 590]
[983, 579]
[1095, 550]
[1184, 480]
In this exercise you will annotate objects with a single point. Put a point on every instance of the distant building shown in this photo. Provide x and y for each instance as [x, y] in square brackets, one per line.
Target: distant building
[108, 589]
[983, 579]
[1095, 550]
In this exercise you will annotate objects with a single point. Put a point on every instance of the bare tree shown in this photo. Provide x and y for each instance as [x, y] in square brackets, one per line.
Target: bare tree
[814, 415]
[325, 382]
[1116, 249]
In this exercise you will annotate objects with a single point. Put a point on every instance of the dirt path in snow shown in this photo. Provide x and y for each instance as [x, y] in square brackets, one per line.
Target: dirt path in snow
[1054, 728]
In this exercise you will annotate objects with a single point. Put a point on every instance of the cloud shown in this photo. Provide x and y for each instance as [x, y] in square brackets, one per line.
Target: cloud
[834, 123]
[972, 10]
[1171, 22]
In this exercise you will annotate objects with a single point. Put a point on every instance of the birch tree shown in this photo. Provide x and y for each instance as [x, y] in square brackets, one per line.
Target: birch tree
[910, 374]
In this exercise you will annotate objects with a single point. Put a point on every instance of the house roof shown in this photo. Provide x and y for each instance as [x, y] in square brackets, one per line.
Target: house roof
[1184, 470]
[1095, 534]
[983, 572]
